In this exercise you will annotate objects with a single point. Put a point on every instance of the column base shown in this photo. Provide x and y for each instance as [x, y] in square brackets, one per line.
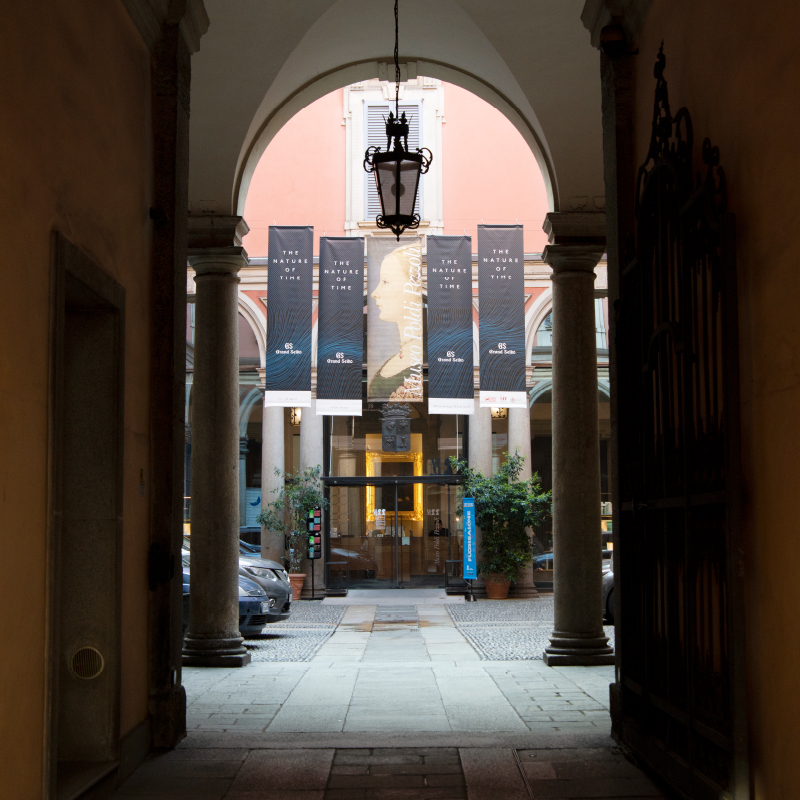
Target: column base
[577, 650]
[522, 591]
[210, 660]
[199, 651]
[578, 659]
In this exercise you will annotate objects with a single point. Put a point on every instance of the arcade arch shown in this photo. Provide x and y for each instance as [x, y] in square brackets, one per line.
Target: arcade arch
[245, 91]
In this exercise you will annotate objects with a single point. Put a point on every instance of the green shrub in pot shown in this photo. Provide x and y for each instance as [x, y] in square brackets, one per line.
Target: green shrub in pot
[504, 508]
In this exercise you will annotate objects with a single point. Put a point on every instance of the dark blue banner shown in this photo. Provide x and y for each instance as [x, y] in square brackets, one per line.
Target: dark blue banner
[340, 326]
[450, 362]
[501, 316]
[290, 275]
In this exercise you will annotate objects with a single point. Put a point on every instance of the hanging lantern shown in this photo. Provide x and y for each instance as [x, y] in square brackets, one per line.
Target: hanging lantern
[397, 171]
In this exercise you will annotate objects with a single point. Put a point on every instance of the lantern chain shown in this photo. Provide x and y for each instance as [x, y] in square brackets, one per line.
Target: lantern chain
[396, 62]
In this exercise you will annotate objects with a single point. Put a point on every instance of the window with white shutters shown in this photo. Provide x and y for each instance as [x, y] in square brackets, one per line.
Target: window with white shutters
[375, 135]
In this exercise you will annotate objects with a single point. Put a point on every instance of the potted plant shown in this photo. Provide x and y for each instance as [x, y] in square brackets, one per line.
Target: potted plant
[504, 508]
[288, 514]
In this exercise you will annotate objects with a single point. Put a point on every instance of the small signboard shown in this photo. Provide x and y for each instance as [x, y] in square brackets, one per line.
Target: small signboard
[380, 519]
[470, 555]
[315, 533]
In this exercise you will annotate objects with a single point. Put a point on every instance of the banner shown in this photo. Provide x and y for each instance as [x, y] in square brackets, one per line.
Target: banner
[394, 320]
[470, 554]
[340, 326]
[290, 275]
[450, 376]
[501, 316]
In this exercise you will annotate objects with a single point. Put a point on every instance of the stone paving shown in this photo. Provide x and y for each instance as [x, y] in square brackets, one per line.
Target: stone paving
[396, 703]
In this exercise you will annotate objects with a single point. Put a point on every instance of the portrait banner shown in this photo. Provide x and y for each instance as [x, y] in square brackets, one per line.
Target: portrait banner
[340, 326]
[290, 275]
[394, 320]
[450, 367]
[501, 316]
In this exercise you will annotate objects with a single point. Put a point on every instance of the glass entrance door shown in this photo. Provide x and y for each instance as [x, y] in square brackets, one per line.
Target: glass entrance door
[394, 535]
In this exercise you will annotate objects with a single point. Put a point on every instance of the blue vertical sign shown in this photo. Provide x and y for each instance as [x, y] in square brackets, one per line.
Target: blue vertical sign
[470, 556]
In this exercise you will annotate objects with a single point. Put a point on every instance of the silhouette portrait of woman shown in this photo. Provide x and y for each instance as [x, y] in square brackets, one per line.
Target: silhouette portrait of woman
[400, 376]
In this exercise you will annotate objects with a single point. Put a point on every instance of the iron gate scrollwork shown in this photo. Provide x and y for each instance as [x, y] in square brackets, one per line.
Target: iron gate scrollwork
[677, 358]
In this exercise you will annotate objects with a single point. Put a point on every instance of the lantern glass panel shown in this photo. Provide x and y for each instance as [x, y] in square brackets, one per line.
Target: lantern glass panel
[384, 176]
[409, 180]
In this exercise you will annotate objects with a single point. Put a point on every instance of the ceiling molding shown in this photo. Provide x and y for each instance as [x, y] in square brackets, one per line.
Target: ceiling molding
[150, 16]
[631, 14]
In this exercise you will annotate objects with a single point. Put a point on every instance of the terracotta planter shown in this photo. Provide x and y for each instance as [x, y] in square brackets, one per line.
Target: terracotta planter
[496, 587]
[296, 579]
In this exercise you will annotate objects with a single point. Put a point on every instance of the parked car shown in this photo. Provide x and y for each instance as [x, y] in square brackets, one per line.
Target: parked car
[609, 600]
[254, 604]
[545, 561]
[269, 575]
[274, 580]
[254, 607]
[251, 535]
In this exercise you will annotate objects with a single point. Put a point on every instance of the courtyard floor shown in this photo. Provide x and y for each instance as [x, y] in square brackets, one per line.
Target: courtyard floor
[397, 695]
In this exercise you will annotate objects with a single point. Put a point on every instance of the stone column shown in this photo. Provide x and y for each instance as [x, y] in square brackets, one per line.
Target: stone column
[243, 481]
[519, 440]
[578, 638]
[480, 438]
[213, 638]
[272, 458]
[310, 436]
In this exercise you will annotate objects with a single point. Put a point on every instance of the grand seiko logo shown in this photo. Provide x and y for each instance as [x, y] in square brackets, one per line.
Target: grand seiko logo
[289, 350]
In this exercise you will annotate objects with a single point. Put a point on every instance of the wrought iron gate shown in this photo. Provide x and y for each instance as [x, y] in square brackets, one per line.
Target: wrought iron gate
[680, 624]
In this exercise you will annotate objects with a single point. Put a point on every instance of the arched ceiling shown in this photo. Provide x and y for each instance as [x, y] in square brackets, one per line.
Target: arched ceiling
[260, 62]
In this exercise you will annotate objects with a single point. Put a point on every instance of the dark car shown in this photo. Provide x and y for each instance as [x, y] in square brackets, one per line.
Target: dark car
[254, 605]
[269, 575]
[543, 570]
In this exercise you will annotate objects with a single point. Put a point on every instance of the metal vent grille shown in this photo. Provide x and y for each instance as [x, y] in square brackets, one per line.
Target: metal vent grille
[87, 663]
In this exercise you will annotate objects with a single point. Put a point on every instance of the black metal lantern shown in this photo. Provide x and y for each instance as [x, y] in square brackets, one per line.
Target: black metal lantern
[397, 171]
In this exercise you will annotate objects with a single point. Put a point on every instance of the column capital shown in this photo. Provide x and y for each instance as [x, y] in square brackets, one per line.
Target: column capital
[578, 227]
[212, 230]
[572, 258]
[217, 260]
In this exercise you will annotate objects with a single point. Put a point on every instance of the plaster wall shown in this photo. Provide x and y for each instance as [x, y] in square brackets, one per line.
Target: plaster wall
[75, 134]
[738, 72]
[488, 172]
[300, 179]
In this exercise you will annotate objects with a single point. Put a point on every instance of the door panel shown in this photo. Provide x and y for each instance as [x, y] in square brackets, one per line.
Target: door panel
[680, 642]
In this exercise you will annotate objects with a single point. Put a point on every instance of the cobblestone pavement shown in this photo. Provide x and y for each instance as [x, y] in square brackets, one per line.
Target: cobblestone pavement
[299, 637]
[394, 702]
[509, 630]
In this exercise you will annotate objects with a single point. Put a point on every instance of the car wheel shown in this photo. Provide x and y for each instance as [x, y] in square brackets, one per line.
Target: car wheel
[610, 607]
